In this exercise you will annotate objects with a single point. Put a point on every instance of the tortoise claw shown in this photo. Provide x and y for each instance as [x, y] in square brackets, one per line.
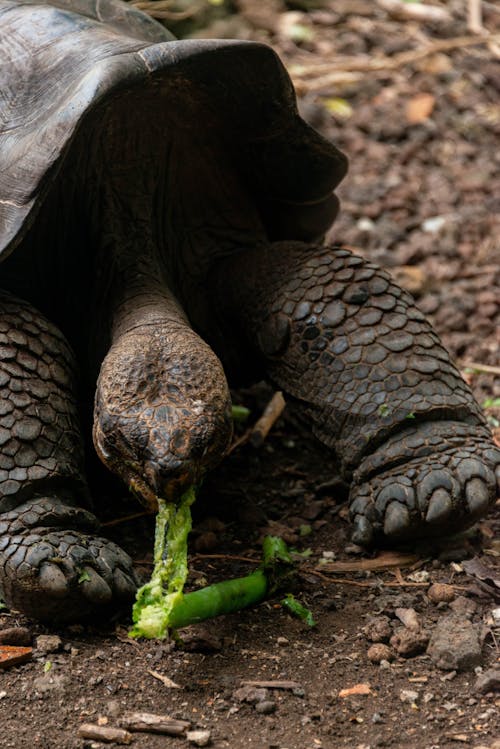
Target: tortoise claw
[437, 493]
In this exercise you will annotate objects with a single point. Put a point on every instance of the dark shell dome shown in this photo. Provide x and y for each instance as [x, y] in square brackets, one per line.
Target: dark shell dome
[61, 60]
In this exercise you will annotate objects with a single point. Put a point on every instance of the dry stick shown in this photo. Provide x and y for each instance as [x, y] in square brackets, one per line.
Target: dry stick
[105, 734]
[151, 723]
[475, 17]
[257, 434]
[161, 9]
[126, 518]
[271, 684]
[485, 368]
[353, 65]
[360, 584]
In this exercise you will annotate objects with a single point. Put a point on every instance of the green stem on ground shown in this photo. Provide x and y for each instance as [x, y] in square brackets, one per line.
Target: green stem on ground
[161, 605]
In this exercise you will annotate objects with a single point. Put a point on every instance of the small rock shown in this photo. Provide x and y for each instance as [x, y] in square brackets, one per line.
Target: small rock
[266, 707]
[463, 606]
[379, 652]
[409, 618]
[409, 643]
[455, 644]
[489, 681]
[48, 643]
[250, 694]
[408, 695]
[200, 640]
[20, 636]
[439, 592]
[282, 641]
[199, 738]
[378, 630]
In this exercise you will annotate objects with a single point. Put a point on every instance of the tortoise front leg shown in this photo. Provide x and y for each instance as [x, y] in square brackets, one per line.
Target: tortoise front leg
[53, 566]
[366, 369]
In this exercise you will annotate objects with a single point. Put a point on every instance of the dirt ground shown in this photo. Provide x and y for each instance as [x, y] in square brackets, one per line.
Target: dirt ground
[423, 199]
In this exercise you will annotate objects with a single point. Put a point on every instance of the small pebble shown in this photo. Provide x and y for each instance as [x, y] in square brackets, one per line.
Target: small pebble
[488, 681]
[408, 695]
[48, 643]
[282, 641]
[441, 592]
[463, 606]
[378, 630]
[266, 707]
[379, 652]
[250, 694]
[409, 643]
[199, 738]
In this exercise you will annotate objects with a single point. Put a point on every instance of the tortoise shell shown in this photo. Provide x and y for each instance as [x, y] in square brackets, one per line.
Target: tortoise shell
[64, 59]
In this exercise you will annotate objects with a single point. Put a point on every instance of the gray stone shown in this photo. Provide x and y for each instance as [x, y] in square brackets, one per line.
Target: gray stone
[199, 738]
[489, 681]
[266, 707]
[48, 643]
[455, 644]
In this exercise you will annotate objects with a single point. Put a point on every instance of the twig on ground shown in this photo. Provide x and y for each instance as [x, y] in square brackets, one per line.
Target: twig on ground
[163, 9]
[271, 684]
[165, 680]
[315, 77]
[257, 434]
[384, 561]
[104, 733]
[484, 368]
[125, 519]
[475, 17]
[151, 723]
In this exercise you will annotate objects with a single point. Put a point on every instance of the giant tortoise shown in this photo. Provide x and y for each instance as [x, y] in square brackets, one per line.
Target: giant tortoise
[162, 207]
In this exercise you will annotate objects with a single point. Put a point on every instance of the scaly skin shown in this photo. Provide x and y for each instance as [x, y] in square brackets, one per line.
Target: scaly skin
[368, 372]
[48, 547]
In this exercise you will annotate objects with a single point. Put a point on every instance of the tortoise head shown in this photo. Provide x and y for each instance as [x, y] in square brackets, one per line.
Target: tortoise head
[162, 412]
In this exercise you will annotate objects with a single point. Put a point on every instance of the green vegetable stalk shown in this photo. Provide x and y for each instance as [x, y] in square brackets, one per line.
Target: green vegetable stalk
[162, 606]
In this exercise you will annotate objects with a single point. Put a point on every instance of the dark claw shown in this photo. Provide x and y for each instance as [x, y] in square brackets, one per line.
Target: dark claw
[362, 534]
[124, 585]
[440, 506]
[397, 519]
[95, 589]
[477, 495]
[53, 581]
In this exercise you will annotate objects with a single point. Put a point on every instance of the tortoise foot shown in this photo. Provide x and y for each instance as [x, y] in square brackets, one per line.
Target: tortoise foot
[54, 573]
[432, 480]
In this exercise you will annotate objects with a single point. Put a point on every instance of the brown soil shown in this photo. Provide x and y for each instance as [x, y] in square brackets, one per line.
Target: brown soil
[422, 198]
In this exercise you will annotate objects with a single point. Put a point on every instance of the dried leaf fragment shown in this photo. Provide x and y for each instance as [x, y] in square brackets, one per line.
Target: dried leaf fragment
[357, 689]
[419, 108]
[11, 655]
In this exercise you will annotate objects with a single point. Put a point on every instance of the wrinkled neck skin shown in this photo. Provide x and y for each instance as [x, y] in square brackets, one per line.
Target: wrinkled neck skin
[162, 408]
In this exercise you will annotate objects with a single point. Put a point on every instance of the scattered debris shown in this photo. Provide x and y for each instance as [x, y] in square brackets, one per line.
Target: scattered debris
[378, 630]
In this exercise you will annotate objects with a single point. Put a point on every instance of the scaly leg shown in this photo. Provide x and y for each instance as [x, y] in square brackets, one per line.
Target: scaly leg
[52, 565]
[368, 372]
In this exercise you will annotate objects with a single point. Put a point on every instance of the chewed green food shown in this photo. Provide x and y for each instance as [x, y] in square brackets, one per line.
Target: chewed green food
[156, 600]
[161, 606]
